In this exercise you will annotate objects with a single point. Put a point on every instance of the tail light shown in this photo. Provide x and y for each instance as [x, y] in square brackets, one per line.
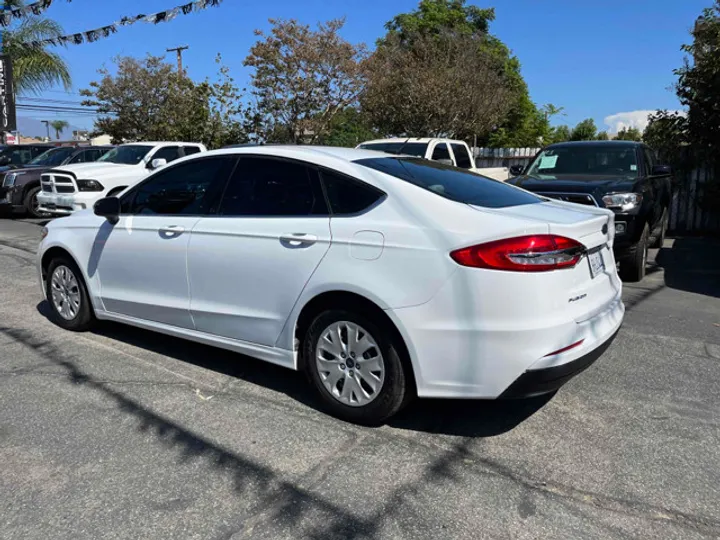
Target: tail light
[536, 253]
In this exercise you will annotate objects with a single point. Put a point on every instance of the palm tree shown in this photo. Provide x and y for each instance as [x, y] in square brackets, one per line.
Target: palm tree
[34, 68]
[59, 126]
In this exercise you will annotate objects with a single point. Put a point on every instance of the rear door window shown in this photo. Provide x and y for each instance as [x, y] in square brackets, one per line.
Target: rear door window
[441, 152]
[168, 153]
[462, 157]
[452, 183]
[346, 195]
[269, 187]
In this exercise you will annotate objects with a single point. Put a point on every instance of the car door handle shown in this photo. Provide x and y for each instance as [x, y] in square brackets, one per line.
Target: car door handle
[172, 230]
[298, 239]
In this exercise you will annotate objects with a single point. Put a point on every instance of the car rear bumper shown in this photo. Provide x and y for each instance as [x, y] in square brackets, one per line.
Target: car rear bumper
[470, 345]
[542, 381]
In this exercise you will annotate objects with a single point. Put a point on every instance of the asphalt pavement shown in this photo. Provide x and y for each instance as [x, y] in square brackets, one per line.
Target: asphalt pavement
[121, 433]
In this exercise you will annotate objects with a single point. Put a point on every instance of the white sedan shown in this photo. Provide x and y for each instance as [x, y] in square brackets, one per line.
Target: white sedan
[382, 277]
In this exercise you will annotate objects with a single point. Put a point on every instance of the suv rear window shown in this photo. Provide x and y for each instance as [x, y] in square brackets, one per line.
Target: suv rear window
[452, 183]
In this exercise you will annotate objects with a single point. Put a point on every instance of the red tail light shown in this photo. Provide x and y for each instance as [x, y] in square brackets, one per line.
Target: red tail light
[536, 253]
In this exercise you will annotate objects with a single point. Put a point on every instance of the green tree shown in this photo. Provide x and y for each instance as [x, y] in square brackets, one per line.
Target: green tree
[629, 134]
[146, 100]
[559, 134]
[35, 68]
[349, 128]
[584, 131]
[302, 79]
[59, 126]
[439, 28]
[602, 136]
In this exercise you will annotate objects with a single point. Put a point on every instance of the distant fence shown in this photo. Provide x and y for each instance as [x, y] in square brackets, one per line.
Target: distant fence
[503, 157]
[686, 214]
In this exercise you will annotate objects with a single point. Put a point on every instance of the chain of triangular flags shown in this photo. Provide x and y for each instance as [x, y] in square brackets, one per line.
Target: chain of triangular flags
[104, 31]
[36, 8]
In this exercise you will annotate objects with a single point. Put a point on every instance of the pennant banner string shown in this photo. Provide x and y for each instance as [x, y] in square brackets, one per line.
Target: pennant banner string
[90, 36]
[36, 8]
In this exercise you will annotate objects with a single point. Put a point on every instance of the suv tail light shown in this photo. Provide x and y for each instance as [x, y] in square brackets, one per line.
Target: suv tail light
[536, 253]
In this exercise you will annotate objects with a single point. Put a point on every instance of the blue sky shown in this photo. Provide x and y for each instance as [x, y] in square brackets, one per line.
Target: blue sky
[595, 59]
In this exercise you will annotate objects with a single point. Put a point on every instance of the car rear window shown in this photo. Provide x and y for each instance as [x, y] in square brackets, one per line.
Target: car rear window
[401, 147]
[452, 183]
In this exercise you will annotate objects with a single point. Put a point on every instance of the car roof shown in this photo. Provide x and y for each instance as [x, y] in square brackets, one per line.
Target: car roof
[161, 143]
[410, 140]
[337, 152]
[595, 143]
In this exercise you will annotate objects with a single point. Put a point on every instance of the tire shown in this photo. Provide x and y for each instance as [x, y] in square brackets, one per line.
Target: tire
[31, 204]
[632, 267]
[80, 318]
[391, 381]
[660, 240]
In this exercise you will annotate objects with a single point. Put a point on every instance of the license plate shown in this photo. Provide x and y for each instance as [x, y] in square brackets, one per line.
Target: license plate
[597, 264]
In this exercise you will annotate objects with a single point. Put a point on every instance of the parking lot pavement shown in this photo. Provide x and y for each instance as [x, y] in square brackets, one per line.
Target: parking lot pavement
[121, 433]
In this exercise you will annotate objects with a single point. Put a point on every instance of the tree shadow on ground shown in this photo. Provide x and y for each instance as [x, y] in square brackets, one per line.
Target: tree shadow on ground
[692, 265]
[471, 418]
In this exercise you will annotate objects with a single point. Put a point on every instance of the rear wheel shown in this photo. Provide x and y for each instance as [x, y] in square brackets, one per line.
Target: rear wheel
[355, 366]
[632, 268]
[660, 239]
[32, 206]
[68, 296]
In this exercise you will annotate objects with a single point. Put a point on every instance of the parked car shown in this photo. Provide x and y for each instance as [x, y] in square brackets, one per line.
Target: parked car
[379, 276]
[623, 176]
[75, 187]
[18, 155]
[447, 151]
[20, 187]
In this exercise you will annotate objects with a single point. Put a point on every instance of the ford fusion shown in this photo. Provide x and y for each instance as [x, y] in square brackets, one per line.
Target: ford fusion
[381, 277]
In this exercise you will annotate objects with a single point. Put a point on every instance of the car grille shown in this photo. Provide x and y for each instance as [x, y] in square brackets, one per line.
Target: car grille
[57, 183]
[577, 198]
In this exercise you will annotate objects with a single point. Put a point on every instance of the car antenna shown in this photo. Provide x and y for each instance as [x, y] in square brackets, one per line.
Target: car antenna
[399, 150]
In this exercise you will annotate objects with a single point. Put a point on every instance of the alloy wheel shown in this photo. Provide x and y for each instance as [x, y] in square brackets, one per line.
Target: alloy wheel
[350, 363]
[65, 292]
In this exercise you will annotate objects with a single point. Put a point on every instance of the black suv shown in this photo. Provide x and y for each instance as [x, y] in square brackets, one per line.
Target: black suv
[19, 187]
[623, 176]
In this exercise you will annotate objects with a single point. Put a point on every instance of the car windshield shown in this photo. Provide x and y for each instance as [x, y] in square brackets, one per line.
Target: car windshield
[127, 155]
[452, 183]
[52, 157]
[411, 148]
[591, 159]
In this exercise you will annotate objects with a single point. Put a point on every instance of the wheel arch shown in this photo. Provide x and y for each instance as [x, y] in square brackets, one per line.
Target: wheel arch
[52, 253]
[352, 300]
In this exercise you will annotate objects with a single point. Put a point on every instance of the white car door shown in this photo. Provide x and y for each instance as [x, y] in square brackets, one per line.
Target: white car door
[248, 265]
[141, 260]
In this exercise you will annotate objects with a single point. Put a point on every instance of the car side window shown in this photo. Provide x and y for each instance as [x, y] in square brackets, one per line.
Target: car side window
[440, 152]
[188, 189]
[649, 161]
[168, 153]
[462, 157]
[190, 150]
[80, 157]
[265, 187]
[37, 150]
[347, 195]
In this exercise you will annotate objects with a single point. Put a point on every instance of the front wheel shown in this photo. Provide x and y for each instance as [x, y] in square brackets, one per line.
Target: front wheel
[68, 296]
[632, 268]
[355, 366]
[32, 206]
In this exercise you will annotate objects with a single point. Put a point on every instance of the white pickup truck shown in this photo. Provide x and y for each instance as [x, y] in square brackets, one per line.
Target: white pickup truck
[447, 151]
[76, 187]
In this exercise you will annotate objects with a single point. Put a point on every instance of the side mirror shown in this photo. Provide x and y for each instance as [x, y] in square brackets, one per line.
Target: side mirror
[109, 208]
[445, 162]
[516, 170]
[661, 170]
[157, 163]
[5, 160]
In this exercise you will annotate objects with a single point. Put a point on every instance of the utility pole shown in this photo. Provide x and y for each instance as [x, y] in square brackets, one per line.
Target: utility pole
[179, 51]
[47, 125]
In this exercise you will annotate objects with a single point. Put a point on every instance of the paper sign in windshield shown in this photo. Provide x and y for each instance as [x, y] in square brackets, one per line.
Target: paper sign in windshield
[548, 162]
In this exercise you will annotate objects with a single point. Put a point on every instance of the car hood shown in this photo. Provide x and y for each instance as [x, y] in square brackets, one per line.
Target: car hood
[102, 170]
[580, 183]
[32, 169]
